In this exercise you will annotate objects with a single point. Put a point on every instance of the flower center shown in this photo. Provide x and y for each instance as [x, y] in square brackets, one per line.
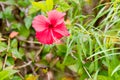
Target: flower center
[50, 26]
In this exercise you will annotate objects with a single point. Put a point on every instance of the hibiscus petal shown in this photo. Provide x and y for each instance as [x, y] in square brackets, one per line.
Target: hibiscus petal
[61, 29]
[45, 37]
[57, 35]
[40, 23]
[56, 17]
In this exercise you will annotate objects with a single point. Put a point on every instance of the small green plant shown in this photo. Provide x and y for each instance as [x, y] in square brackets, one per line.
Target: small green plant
[7, 73]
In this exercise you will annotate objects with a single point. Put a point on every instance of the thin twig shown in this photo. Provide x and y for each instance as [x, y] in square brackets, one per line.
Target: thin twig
[8, 47]
[6, 54]
[30, 47]
[38, 53]
[73, 56]
[26, 64]
[31, 66]
[20, 75]
[87, 72]
[5, 61]
[6, 3]
[31, 42]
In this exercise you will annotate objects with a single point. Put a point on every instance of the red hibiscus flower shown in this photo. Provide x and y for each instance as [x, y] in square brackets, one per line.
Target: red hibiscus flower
[51, 29]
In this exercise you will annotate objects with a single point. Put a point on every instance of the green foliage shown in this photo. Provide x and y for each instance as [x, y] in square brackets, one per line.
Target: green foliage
[1, 63]
[28, 21]
[61, 50]
[10, 61]
[16, 78]
[42, 5]
[49, 4]
[2, 46]
[6, 73]
[24, 31]
[36, 6]
[63, 6]
[7, 14]
[91, 52]
[23, 3]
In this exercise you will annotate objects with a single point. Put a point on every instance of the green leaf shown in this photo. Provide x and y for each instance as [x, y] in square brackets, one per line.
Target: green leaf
[49, 4]
[23, 3]
[8, 13]
[36, 6]
[46, 49]
[3, 46]
[101, 77]
[14, 43]
[7, 73]
[16, 78]
[15, 25]
[70, 61]
[115, 70]
[24, 32]
[28, 21]
[33, 9]
[60, 65]
[63, 6]
[1, 63]
[91, 67]
[1, 14]
[61, 50]
[76, 68]
[10, 61]
[42, 5]
[16, 53]
[56, 1]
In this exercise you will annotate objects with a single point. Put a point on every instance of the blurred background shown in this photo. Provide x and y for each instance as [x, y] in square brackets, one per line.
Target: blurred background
[91, 52]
